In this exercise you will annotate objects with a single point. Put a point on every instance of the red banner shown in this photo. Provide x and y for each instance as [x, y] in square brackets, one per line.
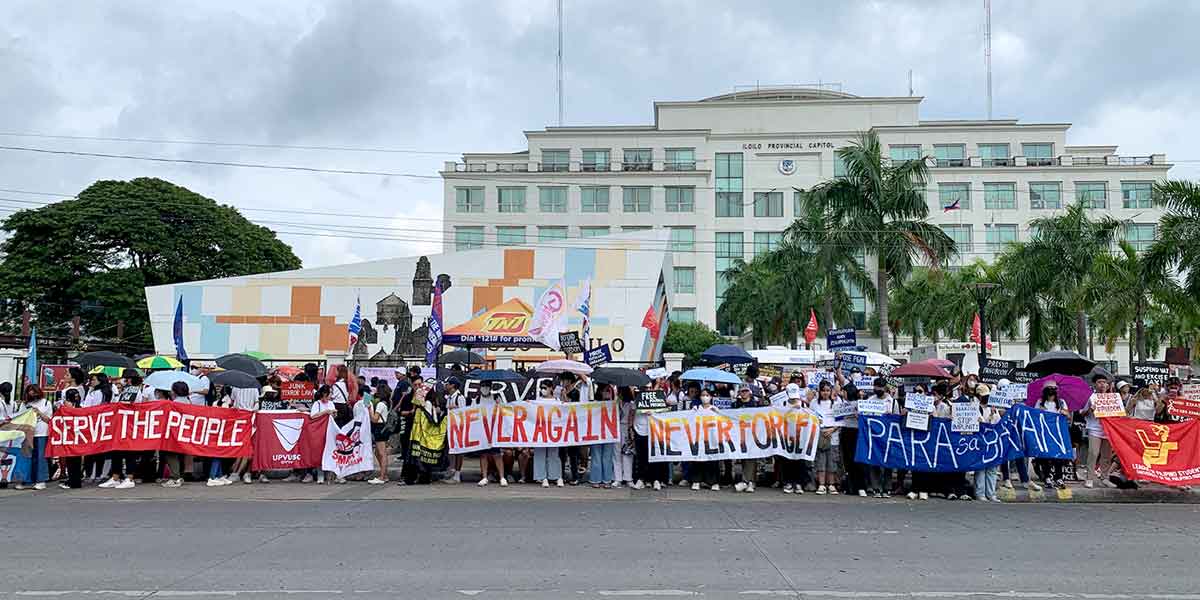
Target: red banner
[288, 440]
[1168, 454]
[296, 391]
[169, 426]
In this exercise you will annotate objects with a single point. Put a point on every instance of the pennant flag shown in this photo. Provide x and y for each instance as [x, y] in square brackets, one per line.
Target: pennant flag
[810, 330]
[177, 331]
[433, 342]
[585, 308]
[349, 448]
[31, 360]
[975, 332]
[650, 321]
[355, 326]
[957, 204]
[548, 316]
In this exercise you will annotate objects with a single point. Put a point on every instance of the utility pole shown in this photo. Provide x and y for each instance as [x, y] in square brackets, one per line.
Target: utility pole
[560, 63]
[987, 52]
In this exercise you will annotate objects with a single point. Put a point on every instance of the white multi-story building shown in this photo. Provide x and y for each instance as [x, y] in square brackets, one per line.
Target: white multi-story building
[723, 174]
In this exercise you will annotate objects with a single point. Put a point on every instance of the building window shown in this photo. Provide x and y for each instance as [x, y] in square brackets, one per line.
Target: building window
[591, 232]
[628, 228]
[1136, 194]
[1038, 155]
[1000, 235]
[556, 160]
[596, 160]
[1046, 195]
[954, 194]
[636, 199]
[905, 153]
[549, 234]
[797, 204]
[469, 200]
[468, 238]
[512, 200]
[839, 166]
[685, 280]
[1093, 194]
[729, 184]
[766, 241]
[995, 155]
[510, 236]
[961, 234]
[636, 159]
[683, 315]
[999, 196]
[768, 204]
[1140, 235]
[950, 155]
[858, 305]
[681, 199]
[552, 199]
[683, 239]
[593, 199]
[681, 159]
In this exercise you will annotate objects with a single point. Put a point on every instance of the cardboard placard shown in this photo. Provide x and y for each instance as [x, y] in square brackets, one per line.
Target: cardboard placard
[841, 339]
[1151, 372]
[917, 420]
[843, 410]
[569, 342]
[874, 406]
[849, 361]
[1107, 405]
[919, 403]
[1187, 404]
[597, 356]
[1007, 395]
[964, 417]
[652, 401]
[296, 391]
[863, 382]
[995, 370]
[779, 400]
[1023, 376]
[770, 371]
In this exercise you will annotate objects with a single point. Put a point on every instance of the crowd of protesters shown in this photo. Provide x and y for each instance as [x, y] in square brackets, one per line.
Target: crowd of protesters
[401, 407]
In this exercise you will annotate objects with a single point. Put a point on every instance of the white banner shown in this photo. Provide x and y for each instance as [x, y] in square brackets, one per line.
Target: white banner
[531, 425]
[349, 448]
[691, 435]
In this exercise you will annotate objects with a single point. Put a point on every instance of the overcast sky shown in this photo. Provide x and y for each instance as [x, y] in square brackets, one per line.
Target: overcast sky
[446, 77]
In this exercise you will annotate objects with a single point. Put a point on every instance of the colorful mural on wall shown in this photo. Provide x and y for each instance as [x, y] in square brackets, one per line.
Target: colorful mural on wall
[304, 313]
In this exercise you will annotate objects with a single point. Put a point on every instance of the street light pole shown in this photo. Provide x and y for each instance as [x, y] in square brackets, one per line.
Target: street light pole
[983, 292]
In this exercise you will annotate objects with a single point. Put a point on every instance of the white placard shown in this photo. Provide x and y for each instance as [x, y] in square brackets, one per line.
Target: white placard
[874, 405]
[918, 402]
[965, 417]
[1007, 395]
[917, 420]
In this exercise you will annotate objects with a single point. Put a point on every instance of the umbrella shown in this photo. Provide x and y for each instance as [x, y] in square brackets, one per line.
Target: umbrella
[620, 376]
[923, 368]
[112, 372]
[1099, 370]
[243, 363]
[163, 380]
[287, 371]
[709, 374]
[158, 362]
[488, 375]
[1064, 362]
[462, 357]
[1073, 390]
[104, 357]
[564, 365]
[235, 379]
[944, 363]
[726, 354]
[257, 354]
[874, 359]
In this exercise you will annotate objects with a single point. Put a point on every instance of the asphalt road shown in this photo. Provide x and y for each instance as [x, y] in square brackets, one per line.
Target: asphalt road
[356, 541]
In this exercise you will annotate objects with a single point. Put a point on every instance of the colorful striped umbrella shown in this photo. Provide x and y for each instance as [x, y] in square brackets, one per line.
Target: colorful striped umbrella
[112, 372]
[159, 362]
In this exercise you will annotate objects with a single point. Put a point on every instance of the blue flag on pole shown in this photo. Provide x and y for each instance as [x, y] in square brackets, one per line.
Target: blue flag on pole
[180, 352]
[433, 341]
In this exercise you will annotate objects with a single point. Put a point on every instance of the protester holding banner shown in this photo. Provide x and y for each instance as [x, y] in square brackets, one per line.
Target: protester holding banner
[746, 399]
[1098, 446]
[322, 405]
[546, 463]
[846, 409]
[35, 401]
[828, 456]
[705, 471]
[600, 471]
[1050, 470]
[429, 436]
[793, 470]
[654, 473]
[985, 479]
[623, 458]
[879, 478]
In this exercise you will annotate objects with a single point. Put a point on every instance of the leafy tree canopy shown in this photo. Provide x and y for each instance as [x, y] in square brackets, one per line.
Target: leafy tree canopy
[93, 255]
[691, 339]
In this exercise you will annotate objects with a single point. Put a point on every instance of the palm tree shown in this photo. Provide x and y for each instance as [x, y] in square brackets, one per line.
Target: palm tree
[1124, 288]
[1063, 253]
[882, 206]
[770, 294]
[1178, 245]
[830, 256]
[1030, 292]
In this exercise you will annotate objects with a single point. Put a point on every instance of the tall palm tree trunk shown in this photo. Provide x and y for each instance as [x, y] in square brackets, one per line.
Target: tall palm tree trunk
[1140, 334]
[1081, 333]
[881, 295]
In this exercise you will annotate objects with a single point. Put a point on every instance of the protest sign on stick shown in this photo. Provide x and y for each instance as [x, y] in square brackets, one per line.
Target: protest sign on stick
[964, 417]
[1186, 404]
[1108, 405]
[917, 420]
[651, 401]
[1005, 396]
[919, 402]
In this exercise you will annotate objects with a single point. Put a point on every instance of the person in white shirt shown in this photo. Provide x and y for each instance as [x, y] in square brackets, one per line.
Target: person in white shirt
[39, 468]
[198, 396]
[378, 406]
[704, 472]
[546, 463]
[848, 438]
[99, 392]
[985, 479]
[322, 405]
[793, 469]
[454, 399]
[878, 477]
[623, 459]
[828, 451]
[1050, 469]
[1098, 446]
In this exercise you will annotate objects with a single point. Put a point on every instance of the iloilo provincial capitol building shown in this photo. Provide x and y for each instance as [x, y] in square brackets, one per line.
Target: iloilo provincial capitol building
[723, 176]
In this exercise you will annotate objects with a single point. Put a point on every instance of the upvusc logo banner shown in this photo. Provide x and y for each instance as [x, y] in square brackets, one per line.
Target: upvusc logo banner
[288, 439]
[162, 425]
[1165, 453]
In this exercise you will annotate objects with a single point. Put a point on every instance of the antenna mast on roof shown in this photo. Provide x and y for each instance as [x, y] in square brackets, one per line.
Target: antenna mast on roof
[987, 52]
[560, 63]
[910, 88]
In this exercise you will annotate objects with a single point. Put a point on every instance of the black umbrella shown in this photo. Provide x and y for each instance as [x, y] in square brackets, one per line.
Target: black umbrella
[462, 357]
[620, 376]
[87, 360]
[726, 354]
[489, 375]
[1099, 370]
[235, 379]
[243, 363]
[1063, 362]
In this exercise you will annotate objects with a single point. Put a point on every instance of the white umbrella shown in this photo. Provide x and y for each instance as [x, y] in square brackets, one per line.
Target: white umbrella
[874, 359]
[162, 380]
[564, 365]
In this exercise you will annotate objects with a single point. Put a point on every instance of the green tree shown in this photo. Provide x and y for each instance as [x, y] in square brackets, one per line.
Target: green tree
[831, 258]
[882, 205]
[690, 339]
[772, 294]
[1125, 288]
[1178, 245]
[93, 255]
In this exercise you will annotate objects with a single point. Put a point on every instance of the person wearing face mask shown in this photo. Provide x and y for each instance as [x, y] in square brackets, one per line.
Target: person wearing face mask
[705, 471]
[600, 469]
[546, 462]
[793, 470]
[623, 457]
[1049, 469]
[878, 478]
[645, 472]
[1098, 446]
[848, 440]
[828, 451]
[747, 399]
[985, 479]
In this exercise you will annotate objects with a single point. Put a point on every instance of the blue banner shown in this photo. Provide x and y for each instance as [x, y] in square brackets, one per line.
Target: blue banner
[1042, 434]
[841, 339]
[884, 441]
[850, 361]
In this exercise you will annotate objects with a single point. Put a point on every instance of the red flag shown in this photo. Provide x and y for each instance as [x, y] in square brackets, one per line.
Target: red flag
[650, 321]
[288, 440]
[810, 330]
[975, 333]
[1168, 454]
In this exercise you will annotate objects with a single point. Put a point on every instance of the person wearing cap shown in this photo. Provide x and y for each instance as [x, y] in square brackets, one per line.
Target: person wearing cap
[1050, 470]
[1098, 445]
[792, 471]
[985, 479]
